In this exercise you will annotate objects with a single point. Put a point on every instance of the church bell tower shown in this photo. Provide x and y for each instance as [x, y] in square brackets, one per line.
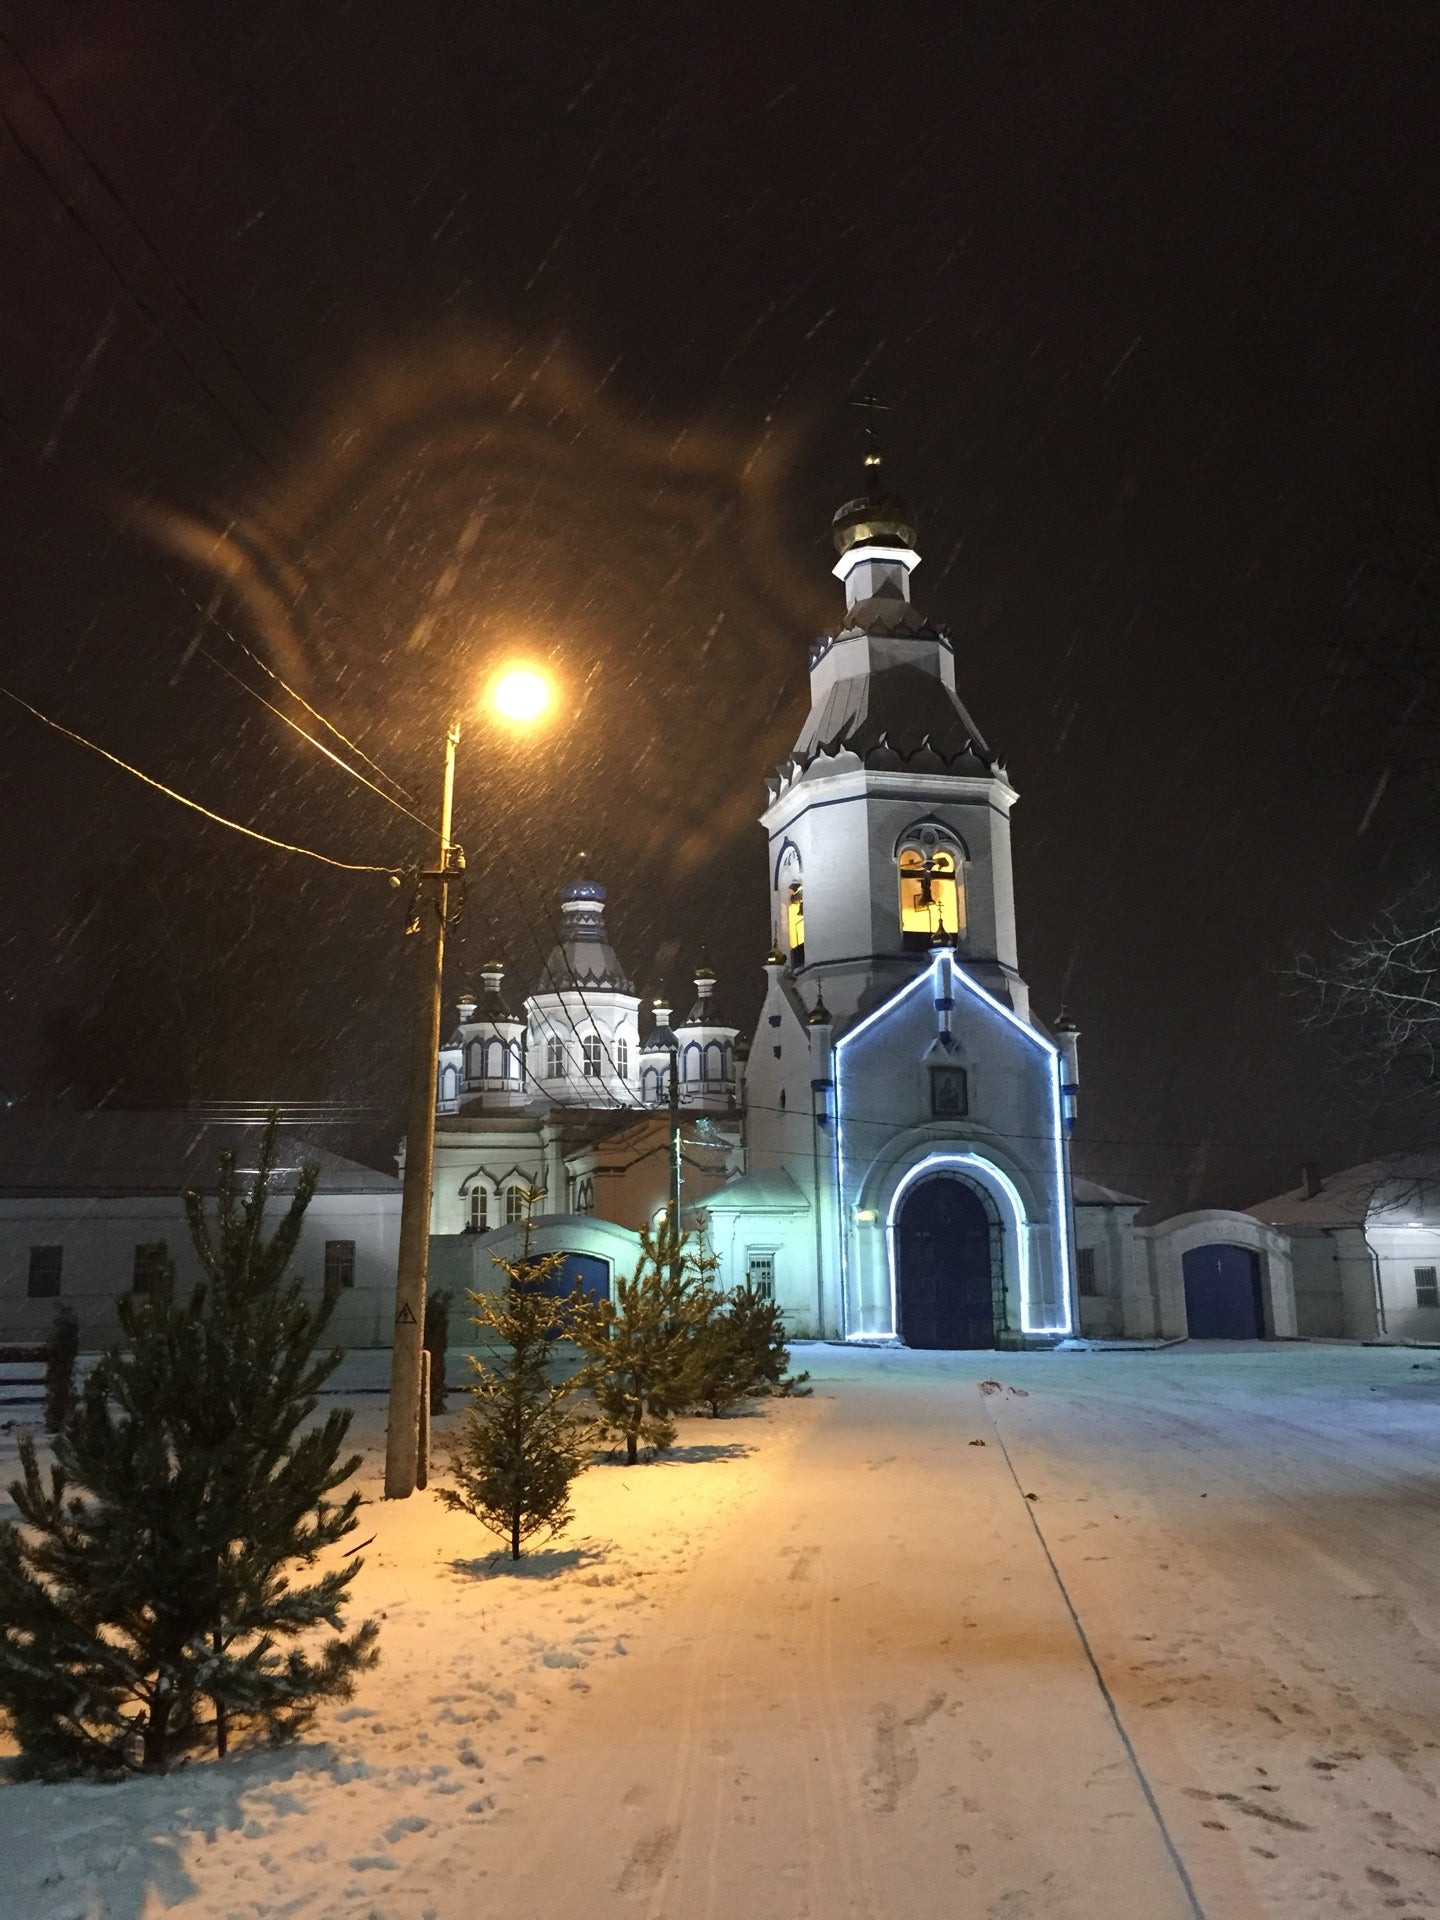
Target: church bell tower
[889, 823]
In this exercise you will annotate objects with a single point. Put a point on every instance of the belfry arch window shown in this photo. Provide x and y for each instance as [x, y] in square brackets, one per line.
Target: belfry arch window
[795, 921]
[591, 1056]
[790, 887]
[932, 892]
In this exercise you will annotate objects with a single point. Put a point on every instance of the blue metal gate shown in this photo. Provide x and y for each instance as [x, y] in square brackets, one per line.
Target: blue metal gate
[1222, 1293]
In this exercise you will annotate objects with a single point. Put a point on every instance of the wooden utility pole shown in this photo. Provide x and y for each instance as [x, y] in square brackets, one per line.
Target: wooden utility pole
[402, 1438]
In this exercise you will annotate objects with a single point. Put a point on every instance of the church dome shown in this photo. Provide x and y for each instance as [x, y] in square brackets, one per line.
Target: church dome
[874, 520]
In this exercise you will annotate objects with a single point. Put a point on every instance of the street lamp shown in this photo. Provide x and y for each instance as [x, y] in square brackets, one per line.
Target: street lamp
[520, 696]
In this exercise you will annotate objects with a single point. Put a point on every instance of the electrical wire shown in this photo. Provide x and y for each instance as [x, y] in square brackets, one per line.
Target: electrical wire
[212, 617]
[220, 819]
[319, 745]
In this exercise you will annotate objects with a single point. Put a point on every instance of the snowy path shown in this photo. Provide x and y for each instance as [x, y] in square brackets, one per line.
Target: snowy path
[824, 1667]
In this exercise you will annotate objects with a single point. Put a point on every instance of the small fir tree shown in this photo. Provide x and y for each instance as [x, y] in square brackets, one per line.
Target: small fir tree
[62, 1350]
[522, 1444]
[149, 1574]
[641, 1348]
[437, 1342]
[740, 1353]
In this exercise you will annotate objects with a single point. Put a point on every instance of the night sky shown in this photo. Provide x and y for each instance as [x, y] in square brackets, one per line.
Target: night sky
[387, 341]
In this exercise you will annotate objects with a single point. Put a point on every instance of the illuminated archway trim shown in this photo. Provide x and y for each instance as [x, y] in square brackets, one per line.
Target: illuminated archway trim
[942, 975]
[992, 1178]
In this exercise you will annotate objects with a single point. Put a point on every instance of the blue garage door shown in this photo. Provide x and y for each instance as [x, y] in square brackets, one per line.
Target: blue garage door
[585, 1270]
[1222, 1293]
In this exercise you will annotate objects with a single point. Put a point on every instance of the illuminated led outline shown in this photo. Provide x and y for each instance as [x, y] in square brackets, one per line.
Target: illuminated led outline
[931, 977]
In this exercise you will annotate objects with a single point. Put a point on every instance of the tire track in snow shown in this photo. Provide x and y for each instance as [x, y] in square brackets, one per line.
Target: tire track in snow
[1172, 1850]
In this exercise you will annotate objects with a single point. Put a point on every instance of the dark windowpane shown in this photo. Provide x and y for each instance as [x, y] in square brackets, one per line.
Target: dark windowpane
[45, 1264]
[339, 1263]
[152, 1266]
[1085, 1270]
[1427, 1291]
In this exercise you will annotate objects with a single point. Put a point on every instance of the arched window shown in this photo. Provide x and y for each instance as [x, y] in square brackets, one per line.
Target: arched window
[650, 1087]
[590, 1051]
[479, 1209]
[475, 1054]
[514, 1204]
[932, 895]
[714, 1061]
[622, 1057]
[495, 1060]
[554, 1059]
[449, 1085]
[585, 1195]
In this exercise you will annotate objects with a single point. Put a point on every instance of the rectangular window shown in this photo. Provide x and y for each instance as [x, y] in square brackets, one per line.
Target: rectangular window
[1086, 1278]
[554, 1059]
[339, 1263]
[590, 1054]
[760, 1275]
[45, 1263]
[1427, 1287]
[152, 1266]
[949, 1093]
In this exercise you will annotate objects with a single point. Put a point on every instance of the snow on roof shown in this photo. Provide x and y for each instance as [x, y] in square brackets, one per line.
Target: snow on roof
[1398, 1190]
[50, 1151]
[1090, 1193]
[771, 1189]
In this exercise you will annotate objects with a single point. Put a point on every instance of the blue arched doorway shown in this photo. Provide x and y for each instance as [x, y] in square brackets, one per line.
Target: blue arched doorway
[1222, 1293]
[945, 1255]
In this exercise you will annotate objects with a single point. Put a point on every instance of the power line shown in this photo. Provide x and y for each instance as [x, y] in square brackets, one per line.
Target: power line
[211, 614]
[250, 833]
[319, 745]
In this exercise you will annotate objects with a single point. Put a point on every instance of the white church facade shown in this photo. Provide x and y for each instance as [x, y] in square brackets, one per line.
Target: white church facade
[889, 1154]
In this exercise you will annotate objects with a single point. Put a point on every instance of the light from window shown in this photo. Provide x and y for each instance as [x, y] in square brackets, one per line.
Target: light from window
[590, 1056]
[622, 1057]
[1086, 1278]
[479, 1209]
[45, 1264]
[760, 1275]
[931, 898]
[514, 1205]
[795, 917]
[339, 1264]
[1427, 1287]
[151, 1269]
[554, 1059]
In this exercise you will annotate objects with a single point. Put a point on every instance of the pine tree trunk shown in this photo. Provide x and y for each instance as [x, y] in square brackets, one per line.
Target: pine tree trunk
[222, 1712]
[631, 1448]
[515, 1535]
[155, 1750]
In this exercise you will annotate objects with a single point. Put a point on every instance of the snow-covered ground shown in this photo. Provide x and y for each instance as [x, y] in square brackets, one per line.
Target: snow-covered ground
[828, 1661]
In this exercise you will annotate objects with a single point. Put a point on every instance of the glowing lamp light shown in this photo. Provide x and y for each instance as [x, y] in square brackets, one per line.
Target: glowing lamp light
[521, 695]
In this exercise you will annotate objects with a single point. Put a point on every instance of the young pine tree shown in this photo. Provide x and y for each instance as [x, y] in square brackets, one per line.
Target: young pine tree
[521, 1445]
[741, 1353]
[151, 1574]
[641, 1348]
